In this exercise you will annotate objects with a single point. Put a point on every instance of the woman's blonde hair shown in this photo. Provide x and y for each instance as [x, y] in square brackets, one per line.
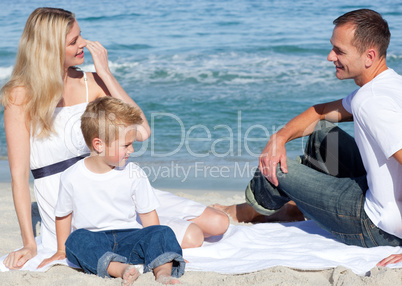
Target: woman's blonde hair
[39, 67]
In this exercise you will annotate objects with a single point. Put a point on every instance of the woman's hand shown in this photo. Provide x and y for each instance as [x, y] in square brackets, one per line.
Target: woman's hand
[99, 56]
[59, 255]
[17, 259]
[112, 87]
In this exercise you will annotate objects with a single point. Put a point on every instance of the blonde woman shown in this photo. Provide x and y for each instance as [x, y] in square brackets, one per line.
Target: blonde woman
[44, 100]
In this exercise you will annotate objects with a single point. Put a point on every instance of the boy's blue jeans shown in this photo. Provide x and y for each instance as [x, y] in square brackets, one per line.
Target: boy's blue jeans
[152, 246]
[328, 186]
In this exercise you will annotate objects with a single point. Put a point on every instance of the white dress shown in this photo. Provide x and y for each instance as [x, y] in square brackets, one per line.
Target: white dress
[68, 142]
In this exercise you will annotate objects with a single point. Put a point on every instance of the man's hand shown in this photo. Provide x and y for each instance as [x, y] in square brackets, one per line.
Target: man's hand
[273, 153]
[392, 259]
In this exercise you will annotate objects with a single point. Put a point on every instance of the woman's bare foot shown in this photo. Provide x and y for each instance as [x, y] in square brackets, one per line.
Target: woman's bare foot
[130, 275]
[246, 213]
[239, 213]
[167, 280]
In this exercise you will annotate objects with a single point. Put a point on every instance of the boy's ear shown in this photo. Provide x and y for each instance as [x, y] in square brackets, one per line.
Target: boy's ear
[97, 144]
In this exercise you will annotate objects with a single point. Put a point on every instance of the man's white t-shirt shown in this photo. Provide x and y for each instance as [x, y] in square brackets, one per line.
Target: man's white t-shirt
[105, 201]
[377, 114]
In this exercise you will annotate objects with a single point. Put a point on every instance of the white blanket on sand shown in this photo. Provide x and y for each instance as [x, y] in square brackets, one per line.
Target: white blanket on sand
[249, 248]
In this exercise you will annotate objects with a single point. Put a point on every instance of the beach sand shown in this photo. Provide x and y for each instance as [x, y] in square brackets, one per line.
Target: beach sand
[63, 275]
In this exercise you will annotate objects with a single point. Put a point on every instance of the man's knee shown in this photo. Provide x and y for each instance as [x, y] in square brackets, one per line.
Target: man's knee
[324, 126]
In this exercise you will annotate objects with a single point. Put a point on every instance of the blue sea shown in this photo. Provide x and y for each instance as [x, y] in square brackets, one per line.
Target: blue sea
[214, 78]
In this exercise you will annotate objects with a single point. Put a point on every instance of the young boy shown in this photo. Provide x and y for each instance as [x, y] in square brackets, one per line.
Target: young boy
[99, 197]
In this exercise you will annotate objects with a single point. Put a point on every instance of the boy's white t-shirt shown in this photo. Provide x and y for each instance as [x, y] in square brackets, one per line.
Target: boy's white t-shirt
[105, 201]
[377, 114]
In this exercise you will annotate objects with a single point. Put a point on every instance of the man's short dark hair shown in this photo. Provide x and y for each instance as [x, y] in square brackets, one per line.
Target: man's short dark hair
[371, 30]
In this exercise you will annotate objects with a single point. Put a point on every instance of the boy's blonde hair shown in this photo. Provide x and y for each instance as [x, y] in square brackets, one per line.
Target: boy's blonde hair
[39, 67]
[104, 117]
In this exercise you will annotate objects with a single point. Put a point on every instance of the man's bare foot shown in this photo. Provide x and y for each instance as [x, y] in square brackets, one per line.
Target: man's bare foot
[130, 275]
[246, 213]
[167, 280]
[289, 212]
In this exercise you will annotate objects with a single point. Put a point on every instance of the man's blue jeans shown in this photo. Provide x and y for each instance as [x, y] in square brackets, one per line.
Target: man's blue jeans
[152, 246]
[328, 186]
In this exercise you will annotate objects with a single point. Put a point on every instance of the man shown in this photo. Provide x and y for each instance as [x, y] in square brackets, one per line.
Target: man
[330, 184]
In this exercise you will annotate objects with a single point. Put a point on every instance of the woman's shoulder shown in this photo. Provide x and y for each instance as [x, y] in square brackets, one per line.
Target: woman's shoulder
[16, 96]
[96, 86]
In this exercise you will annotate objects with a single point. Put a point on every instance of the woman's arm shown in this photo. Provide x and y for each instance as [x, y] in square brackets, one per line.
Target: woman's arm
[63, 227]
[111, 86]
[18, 148]
[150, 218]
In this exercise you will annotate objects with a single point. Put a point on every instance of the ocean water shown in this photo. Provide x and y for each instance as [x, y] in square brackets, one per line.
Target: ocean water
[214, 78]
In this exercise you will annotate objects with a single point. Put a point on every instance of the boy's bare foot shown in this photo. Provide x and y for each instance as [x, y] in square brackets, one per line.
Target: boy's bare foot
[167, 279]
[130, 275]
[163, 274]
[246, 213]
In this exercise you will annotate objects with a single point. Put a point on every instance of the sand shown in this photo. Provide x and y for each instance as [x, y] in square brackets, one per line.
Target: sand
[63, 275]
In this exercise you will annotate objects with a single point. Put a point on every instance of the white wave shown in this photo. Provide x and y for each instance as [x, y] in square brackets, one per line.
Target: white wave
[230, 68]
[5, 72]
[394, 56]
